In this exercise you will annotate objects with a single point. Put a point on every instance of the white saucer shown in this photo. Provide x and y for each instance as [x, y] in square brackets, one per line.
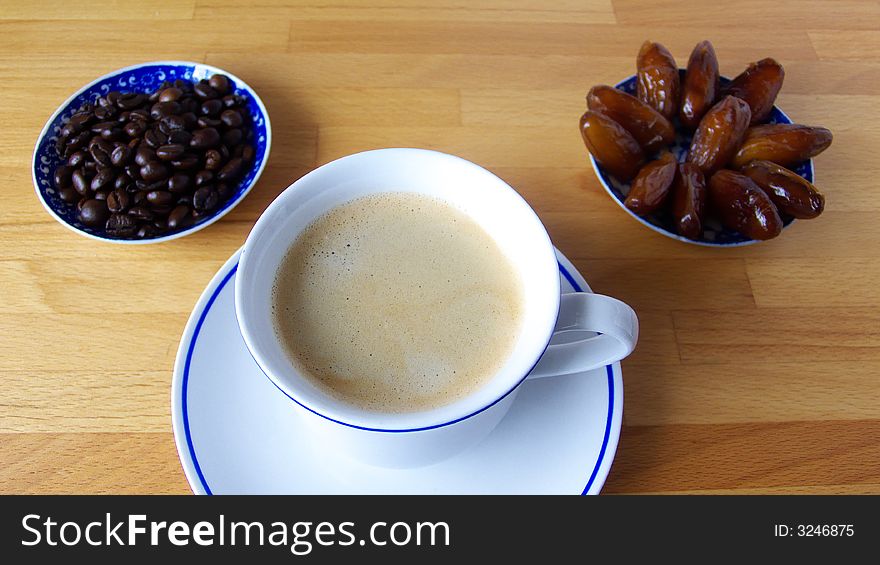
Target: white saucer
[238, 434]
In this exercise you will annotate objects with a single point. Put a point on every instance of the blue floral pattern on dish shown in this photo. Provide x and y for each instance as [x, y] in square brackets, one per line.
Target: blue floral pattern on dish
[713, 233]
[143, 78]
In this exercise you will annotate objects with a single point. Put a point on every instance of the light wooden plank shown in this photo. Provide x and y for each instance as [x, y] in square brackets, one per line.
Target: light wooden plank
[746, 456]
[111, 36]
[753, 14]
[770, 392]
[85, 401]
[857, 45]
[663, 283]
[492, 147]
[118, 9]
[530, 38]
[104, 463]
[795, 334]
[580, 11]
[824, 283]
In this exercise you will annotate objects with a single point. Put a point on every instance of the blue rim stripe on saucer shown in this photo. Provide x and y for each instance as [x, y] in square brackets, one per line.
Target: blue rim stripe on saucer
[192, 343]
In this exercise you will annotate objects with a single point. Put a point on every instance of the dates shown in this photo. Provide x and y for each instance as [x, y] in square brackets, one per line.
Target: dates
[792, 194]
[719, 134]
[612, 146]
[742, 206]
[651, 186]
[658, 83]
[758, 85]
[784, 144]
[649, 128]
[700, 85]
[688, 200]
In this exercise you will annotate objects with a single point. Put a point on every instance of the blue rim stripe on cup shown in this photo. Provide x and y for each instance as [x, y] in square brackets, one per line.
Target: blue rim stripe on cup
[191, 347]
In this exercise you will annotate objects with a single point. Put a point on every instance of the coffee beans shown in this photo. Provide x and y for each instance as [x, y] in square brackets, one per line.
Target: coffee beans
[137, 165]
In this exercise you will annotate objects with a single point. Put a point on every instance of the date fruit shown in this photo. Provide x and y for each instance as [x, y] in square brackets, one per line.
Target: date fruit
[688, 200]
[658, 83]
[792, 193]
[758, 85]
[719, 134]
[700, 85]
[784, 144]
[651, 186]
[646, 124]
[614, 148]
[742, 206]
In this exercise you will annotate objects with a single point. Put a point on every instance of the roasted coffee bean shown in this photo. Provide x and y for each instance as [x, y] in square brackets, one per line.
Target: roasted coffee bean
[130, 101]
[220, 83]
[133, 171]
[230, 170]
[229, 101]
[154, 171]
[89, 167]
[79, 141]
[170, 94]
[161, 109]
[144, 155]
[135, 128]
[186, 162]
[171, 124]
[232, 137]
[190, 106]
[179, 182]
[141, 114]
[204, 177]
[154, 138]
[180, 217]
[190, 120]
[120, 155]
[204, 91]
[69, 194]
[213, 160]
[231, 118]
[79, 181]
[225, 153]
[122, 181]
[77, 159]
[180, 136]
[62, 176]
[160, 197]
[206, 122]
[205, 138]
[205, 199]
[145, 231]
[140, 197]
[99, 127]
[102, 179]
[161, 210]
[185, 199]
[141, 213]
[101, 194]
[170, 152]
[224, 190]
[211, 107]
[183, 85]
[247, 154]
[118, 201]
[93, 213]
[121, 225]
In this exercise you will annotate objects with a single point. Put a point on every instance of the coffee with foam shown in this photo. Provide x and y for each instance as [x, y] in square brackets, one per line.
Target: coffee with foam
[397, 302]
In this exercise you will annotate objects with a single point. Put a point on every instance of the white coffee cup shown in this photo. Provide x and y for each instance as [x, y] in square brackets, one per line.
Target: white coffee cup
[419, 438]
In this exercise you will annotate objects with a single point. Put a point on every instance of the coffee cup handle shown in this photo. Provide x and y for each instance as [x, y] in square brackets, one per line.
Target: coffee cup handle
[615, 322]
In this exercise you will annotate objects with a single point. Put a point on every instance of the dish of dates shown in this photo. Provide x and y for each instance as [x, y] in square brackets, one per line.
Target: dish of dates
[699, 157]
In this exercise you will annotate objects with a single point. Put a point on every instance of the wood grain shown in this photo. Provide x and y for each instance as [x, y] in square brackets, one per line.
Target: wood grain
[757, 367]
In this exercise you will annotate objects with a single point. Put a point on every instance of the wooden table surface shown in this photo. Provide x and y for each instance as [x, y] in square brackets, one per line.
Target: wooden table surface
[757, 369]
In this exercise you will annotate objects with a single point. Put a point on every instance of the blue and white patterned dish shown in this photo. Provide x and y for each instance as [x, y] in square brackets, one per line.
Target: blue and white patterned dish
[145, 77]
[714, 235]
